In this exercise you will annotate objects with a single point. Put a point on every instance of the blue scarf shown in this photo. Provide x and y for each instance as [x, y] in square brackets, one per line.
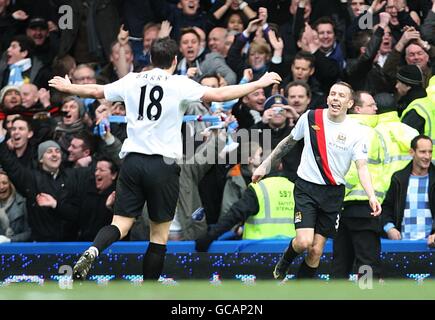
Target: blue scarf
[16, 72]
[182, 67]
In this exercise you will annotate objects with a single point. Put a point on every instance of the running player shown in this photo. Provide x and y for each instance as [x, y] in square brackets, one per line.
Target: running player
[331, 141]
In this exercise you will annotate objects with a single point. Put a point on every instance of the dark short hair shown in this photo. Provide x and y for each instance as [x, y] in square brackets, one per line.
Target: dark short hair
[298, 83]
[357, 100]
[416, 139]
[236, 13]
[305, 55]
[26, 44]
[357, 97]
[21, 118]
[163, 51]
[325, 20]
[209, 75]
[189, 30]
[114, 168]
[88, 140]
[385, 102]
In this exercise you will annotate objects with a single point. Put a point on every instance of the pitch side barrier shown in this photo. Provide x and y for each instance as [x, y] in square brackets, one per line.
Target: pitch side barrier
[228, 246]
[229, 259]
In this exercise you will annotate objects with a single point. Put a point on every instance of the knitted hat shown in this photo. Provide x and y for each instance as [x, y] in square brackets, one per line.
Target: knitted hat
[275, 99]
[385, 102]
[410, 75]
[5, 90]
[42, 148]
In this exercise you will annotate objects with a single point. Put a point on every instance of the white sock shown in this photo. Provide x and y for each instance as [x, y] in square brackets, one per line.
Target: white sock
[94, 251]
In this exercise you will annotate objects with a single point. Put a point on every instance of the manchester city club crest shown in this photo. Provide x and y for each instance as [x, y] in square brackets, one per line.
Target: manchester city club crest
[341, 138]
[298, 217]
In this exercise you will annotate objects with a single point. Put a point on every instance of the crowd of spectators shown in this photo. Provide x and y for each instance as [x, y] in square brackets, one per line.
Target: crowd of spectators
[60, 154]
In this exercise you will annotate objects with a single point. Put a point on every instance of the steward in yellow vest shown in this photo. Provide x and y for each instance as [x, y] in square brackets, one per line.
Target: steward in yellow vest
[276, 207]
[395, 138]
[266, 209]
[358, 237]
[354, 189]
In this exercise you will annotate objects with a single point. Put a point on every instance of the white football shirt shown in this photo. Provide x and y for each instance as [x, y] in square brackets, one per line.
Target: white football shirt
[155, 105]
[345, 142]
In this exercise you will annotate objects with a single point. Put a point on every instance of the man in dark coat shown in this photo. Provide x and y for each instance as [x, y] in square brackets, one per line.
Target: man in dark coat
[409, 206]
[50, 179]
[88, 204]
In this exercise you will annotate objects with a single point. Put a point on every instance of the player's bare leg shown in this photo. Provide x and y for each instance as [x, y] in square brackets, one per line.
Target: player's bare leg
[159, 232]
[105, 237]
[303, 240]
[309, 266]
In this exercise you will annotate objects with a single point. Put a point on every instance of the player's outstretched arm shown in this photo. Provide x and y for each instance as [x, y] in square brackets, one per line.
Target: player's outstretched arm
[95, 91]
[237, 91]
[366, 182]
[272, 160]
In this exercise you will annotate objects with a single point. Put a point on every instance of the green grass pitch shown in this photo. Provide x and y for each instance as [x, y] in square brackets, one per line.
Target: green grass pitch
[227, 290]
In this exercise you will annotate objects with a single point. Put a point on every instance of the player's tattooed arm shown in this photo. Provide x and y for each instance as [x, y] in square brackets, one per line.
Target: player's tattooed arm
[273, 159]
[281, 150]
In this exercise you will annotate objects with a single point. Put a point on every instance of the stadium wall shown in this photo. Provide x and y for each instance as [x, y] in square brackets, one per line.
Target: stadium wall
[229, 259]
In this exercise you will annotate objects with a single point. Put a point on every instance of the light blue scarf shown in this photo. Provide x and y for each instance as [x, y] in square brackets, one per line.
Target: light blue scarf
[182, 67]
[16, 71]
